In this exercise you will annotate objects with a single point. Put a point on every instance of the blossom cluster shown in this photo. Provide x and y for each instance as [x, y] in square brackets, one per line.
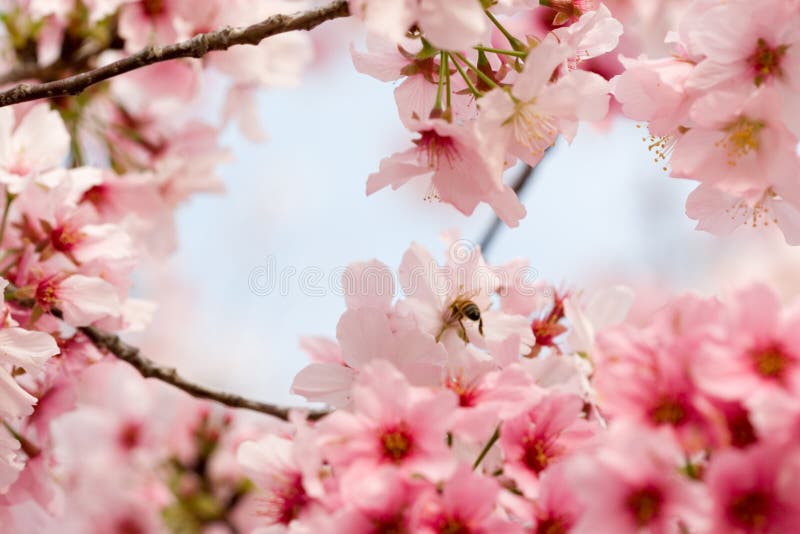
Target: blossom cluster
[478, 98]
[475, 401]
[90, 185]
[542, 411]
[722, 109]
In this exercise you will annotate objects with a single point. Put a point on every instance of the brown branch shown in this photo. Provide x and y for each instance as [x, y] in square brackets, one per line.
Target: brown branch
[196, 47]
[149, 369]
[111, 343]
[525, 173]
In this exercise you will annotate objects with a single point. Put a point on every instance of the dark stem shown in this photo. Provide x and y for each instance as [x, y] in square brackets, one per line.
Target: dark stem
[196, 47]
[524, 176]
[150, 369]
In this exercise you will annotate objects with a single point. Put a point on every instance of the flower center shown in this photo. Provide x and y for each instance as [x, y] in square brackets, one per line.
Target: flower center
[130, 435]
[437, 148]
[741, 138]
[536, 457]
[750, 510]
[286, 500]
[532, 130]
[645, 505]
[669, 412]
[766, 61]
[551, 525]
[755, 214]
[393, 525]
[129, 525]
[397, 444]
[466, 392]
[771, 362]
[153, 8]
[453, 526]
[46, 294]
[741, 430]
[64, 238]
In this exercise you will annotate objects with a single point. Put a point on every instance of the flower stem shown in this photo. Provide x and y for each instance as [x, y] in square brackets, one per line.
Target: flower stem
[486, 448]
[488, 81]
[463, 74]
[446, 59]
[514, 53]
[9, 199]
[515, 43]
[438, 105]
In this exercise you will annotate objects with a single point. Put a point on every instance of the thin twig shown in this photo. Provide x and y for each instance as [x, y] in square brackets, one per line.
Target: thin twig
[111, 343]
[196, 47]
[522, 178]
[149, 369]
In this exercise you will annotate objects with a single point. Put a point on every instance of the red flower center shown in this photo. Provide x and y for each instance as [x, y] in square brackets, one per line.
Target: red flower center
[750, 510]
[153, 8]
[766, 61]
[771, 362]
[392, 525]
[453, 526]
[645, 504]
[536, 455]
[286, 501]
[65, 237]
[552, 525]
[437, 147]
[46, 294]
[741, 430]
[130, 435]
[129, 525]
[397, 443]
[669, 411]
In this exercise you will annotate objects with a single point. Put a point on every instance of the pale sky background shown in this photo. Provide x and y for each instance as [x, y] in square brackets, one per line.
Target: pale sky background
[599, 210]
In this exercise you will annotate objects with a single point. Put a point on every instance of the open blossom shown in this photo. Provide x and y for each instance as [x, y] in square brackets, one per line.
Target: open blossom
[375, 500]
[737, 144]
[447, 24]
[527, 120]
[631, 483]
[275, 62]
[461, 172]
[393, 423]
[367, 331]
[276, 468]
[146, 22]
[466, 504]
[549, 431]
[755, 490]
[37, 143]
[750, 44]
[26, 350]
[761, 351]
[437, 294]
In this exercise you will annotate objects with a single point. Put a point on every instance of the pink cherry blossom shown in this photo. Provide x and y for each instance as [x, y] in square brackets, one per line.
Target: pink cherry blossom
[754, 490]
[760, 349]
[455, 160]
[527, 120]
[393, 423]
[451, 25]
[632, 483]
[551, 429]
[467, 503]
[36, 143]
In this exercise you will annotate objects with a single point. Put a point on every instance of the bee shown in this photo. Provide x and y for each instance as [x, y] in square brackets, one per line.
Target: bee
[460, 309]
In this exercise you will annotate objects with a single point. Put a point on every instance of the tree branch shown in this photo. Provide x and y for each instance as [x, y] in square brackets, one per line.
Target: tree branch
[149, 369]
[111, 343]
[196, 47]
[519, 183]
